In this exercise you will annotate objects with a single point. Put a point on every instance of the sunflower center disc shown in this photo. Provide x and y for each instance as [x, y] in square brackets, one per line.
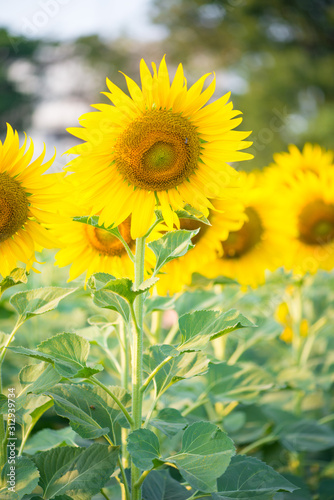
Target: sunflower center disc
[316, 223]
[108, 244]
[13, 206]
[158, 151]
[242, 241]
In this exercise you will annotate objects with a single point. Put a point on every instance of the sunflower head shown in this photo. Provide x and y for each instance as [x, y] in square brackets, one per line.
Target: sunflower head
[14, 206]
[28, 203]
[161, 145]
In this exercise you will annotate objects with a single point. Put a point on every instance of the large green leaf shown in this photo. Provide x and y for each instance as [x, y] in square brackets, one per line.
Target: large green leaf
[169, 421]
[204, 456]
[25, 479]
[40, 301]
[67, 352]
[239, 382]
[248, 478]
[158, 303]
[16, 277]
[182, 366]
[171, 246]
[49, 438]
[307, 435]
[90, 410]
[99, 280]
[159, 485]
[38, 378]
[144, 448]
[79, 473]
[110, 300]
[198, 327]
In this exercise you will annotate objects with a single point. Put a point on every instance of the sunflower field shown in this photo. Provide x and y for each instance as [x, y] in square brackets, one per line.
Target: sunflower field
[166, 310]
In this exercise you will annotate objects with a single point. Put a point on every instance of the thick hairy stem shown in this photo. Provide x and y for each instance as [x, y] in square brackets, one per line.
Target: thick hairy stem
[137, 358]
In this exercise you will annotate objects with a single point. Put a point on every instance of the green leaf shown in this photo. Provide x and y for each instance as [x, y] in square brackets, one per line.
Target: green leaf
[3, 404]
[158, 303]
[49, 438]
[205, 455]
[67, 352]
[199, 280]
[307, 435]
[171, 246]
[26, 479]
[199, 327]
[248, 478]
[196, 300]
[110, 300]
[38, 378]
[239, 382]
[182, 366]
[78, 472]
[93, 220]
[169, 421]
[90, 410]
[34, 302]
[190, 212]
[159, 485]
[144, 448]
[98, 280]
[16, 277]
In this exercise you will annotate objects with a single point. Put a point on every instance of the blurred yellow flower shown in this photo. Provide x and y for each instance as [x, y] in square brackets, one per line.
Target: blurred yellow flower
[261, 243]
[228, 215]
[282, 314]
[304, 328]
[287, 335]
[288, 165]
[28, 202]
[161, 145]
[309, 201]
[92, 250]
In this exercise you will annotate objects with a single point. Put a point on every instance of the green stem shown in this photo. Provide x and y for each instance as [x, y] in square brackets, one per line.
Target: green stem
[115, 398]
[268, 439]
[155, 371]
[137, 356]
[3, 440]
[37, 415]
[123, 333]
[142, 478]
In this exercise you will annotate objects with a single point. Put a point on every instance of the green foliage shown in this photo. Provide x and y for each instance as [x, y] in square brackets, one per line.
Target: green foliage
[169, 421]
[171, 246]
[46, 439]
[248, 478]
[77, 472]
[67, 352]
[91, 411]
[16, 277]
[199, 327]
[34, 302]
[205, 454]
[186, 365]
[159, 485]
[307, 435]
[26, 478]
[144, 448]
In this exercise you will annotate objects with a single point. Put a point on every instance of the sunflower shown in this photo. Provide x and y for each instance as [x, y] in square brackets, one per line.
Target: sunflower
[28, 202]
[260, 243]
[228, 215]
[90, 249]
[287, 165]
[310, 203]
[161, 145]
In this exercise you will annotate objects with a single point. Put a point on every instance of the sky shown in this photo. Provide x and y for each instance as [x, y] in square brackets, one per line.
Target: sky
[68, 19]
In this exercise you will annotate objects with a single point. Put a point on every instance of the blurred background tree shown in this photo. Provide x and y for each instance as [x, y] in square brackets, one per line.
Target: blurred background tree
[276, 57]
